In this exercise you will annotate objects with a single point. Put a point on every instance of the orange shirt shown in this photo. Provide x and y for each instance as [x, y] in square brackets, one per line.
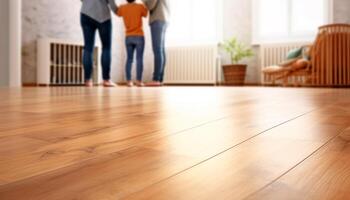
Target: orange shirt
[132, 14]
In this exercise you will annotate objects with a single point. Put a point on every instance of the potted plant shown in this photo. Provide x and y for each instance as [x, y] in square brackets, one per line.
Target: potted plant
[235, 73]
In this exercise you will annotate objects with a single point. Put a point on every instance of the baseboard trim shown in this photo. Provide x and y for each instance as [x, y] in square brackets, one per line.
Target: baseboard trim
[200, 85]
[167, 84]
[48, 85]
[29, 85]
[244, 85]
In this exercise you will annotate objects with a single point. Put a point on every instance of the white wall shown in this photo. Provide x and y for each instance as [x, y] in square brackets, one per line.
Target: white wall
[4, 43]
[342, 11]
[10, 44]
[15, 30]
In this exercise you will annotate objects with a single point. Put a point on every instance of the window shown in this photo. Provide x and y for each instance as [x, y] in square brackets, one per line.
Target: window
[194, 22]
[289, 20]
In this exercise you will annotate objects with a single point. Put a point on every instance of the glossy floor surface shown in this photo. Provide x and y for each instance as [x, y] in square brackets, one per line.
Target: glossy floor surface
[174, 143]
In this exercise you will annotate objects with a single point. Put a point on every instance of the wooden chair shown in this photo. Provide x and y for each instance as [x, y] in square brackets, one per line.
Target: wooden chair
[329, 64]
[331, 59]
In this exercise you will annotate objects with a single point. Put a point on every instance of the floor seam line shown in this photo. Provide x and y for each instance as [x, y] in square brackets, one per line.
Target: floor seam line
[222, 152]
[298, 164]
[92, 158]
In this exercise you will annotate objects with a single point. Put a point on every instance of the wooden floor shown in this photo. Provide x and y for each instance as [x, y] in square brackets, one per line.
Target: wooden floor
[174, 143]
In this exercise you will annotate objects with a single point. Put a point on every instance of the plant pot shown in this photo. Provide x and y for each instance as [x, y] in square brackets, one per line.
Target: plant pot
[234, 74]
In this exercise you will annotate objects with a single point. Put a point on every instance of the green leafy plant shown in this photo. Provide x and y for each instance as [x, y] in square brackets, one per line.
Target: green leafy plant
[237, 50]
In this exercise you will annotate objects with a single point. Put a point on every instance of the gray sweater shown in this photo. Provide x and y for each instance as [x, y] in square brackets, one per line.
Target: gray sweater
[98, 10]
[159, 10]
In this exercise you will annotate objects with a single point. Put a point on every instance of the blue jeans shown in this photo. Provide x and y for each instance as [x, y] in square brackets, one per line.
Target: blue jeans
[90, 26]
[133, 43]
[158, 30]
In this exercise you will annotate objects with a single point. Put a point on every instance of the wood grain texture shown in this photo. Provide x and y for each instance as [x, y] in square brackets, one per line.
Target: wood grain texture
[248, 167]
[326, 175]
[171, 143]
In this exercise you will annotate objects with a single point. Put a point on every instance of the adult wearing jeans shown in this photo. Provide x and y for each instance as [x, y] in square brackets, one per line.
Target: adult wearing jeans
[96, 16]
[159, 17]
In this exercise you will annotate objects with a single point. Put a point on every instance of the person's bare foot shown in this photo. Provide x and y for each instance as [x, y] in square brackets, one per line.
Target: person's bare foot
[139, 84]
[89, 83]
[109, 84]
[154, 84]
[129, 84]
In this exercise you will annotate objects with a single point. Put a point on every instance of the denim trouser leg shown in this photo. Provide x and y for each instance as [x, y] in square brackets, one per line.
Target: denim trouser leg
[158, 30]
[89, 27]
[89, 32]
[139, 58]
[130, 49]
[105, 30]
[164, 62]
[134, 43]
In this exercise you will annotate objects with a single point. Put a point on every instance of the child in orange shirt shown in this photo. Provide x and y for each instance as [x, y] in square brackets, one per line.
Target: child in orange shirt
[132, 14]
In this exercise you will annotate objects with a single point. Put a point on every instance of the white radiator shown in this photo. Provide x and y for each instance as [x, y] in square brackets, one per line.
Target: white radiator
[60, 63]
[191, 65]
[273, 54]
